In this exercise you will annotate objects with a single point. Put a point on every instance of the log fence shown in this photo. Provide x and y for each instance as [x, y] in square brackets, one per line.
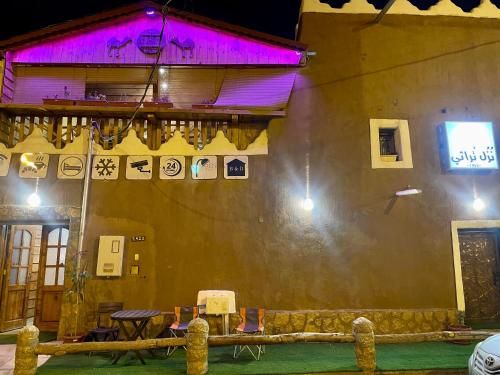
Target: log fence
[197, 343]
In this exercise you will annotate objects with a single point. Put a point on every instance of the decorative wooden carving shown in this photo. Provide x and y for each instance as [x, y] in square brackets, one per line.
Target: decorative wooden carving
[186, 45]
[148, 42]
[114, 46]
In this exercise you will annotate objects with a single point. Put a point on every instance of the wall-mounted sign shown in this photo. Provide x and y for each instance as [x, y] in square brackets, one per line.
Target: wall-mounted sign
[471, 145]
[235, 167]
[204, 167]
[4, 163]
[148, 42]
[71, 167]
[139, 168]
[33, 165]
[105, 167]
[172, 167]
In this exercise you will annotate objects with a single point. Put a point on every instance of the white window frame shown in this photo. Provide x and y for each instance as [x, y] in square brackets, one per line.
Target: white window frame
[402, 138]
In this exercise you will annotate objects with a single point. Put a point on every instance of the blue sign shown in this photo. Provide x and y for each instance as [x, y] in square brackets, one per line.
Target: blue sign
[471, 145]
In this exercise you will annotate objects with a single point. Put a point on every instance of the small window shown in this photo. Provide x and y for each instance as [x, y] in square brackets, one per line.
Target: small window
[390, 143]
[387, 141]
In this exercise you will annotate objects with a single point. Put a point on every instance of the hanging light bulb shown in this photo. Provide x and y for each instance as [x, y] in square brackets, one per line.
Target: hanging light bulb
[34, 199]
[308, 204]
[478, 204]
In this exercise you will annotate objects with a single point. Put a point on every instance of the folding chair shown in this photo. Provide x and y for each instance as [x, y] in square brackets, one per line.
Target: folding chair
[183, 315]
[252, 323]
[106, 329]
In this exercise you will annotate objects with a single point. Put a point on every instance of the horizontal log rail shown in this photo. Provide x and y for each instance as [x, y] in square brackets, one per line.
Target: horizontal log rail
[62, 349]
[441, 336]
[287, 338]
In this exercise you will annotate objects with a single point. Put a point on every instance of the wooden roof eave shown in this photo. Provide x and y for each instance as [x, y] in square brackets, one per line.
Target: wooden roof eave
[124, 112]
[87, 22]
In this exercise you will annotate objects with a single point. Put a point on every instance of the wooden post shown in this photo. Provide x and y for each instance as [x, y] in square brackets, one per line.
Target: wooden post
[197, 347]
[26, 357]
[364, 345]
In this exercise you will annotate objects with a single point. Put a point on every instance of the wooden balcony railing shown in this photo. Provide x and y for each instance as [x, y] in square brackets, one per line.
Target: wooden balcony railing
[60, 126]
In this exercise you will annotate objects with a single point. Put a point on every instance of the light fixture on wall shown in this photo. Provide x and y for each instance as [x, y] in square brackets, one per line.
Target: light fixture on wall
[407, 191]
[308, 204]
[34, 199]
[478, 204]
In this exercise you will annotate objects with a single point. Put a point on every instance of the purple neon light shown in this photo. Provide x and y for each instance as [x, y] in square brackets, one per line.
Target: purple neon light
[212, 46]
[150, 12]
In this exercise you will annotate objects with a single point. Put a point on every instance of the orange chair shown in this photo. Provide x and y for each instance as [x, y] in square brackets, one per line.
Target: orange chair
[252, 323]
[183, 315]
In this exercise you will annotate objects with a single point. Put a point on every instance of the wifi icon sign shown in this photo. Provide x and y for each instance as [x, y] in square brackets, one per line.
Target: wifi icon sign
[4, 164]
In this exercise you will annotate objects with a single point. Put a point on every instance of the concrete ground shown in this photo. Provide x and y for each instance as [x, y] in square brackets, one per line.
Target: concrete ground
[8, 354]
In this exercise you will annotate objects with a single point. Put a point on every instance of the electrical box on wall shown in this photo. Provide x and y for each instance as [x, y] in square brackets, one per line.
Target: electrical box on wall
[110, 256]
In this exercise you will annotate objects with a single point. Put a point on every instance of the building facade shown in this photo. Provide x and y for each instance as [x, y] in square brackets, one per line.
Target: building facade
[273, 168]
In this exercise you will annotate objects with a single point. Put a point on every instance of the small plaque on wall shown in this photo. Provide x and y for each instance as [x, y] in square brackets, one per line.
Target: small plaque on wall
[71, 167]
[33, 165]
[4, 163]
[105, 167]
[139, 168]
[204, 167]
[235, 167]
[172, 167]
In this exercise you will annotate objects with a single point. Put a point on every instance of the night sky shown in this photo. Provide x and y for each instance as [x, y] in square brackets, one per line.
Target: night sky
[277, 17]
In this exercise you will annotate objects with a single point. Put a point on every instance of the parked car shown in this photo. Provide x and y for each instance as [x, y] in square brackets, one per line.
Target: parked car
[485, 360]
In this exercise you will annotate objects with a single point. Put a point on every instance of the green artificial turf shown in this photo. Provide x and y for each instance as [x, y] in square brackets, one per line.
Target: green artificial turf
[278, 359]
[493, 325]
[11, 338]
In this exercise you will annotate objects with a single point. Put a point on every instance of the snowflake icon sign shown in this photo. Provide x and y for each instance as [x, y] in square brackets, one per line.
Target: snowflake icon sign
[106, 168]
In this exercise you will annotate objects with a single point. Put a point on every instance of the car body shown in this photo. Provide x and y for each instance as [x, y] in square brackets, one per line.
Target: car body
[485, 360]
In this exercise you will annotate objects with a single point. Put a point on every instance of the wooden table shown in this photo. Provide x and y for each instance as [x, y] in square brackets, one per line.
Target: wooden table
[139, 319]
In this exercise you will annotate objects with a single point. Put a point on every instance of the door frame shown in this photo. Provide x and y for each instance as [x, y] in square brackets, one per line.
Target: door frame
[46, 215]
[456, 225]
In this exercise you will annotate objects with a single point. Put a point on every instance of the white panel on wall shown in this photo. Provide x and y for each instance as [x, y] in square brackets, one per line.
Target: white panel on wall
[110, 256]
[139, 167]
[105, 167]
[172, 167]
[71, 167]
[204, 167]
[33, 165]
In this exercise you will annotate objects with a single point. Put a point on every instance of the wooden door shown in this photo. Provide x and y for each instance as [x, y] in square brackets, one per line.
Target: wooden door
[51, 277]
[479, 254]
[17, 276]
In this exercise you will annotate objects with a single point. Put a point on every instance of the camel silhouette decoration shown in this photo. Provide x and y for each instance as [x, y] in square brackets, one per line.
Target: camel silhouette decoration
[186, 45]
[114, 46]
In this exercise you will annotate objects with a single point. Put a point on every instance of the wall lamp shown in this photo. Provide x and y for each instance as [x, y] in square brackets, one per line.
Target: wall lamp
[407, 191]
